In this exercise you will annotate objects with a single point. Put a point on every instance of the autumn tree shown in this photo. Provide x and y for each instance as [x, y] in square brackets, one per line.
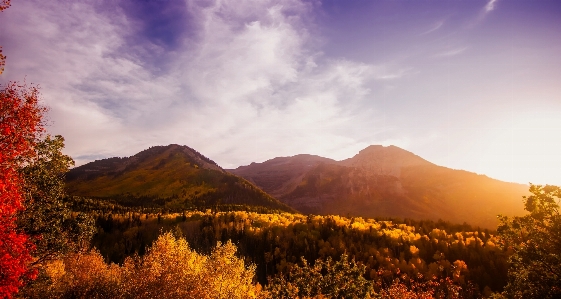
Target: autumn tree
[20, 124]
[3, 5]
[170, 269]
[535, 242]
[325, 279]
[47, 219]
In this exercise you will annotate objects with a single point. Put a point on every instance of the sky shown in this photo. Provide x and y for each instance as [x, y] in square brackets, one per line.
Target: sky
[466, 84]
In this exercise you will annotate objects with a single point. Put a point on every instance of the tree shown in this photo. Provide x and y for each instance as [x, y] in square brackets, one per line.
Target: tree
[46, 219]
[325, 279]
[170, 269]
[3, 5]
[20, 124]
[535, 242]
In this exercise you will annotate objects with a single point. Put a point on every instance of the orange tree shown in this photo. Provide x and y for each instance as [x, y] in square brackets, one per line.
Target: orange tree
[20, 125]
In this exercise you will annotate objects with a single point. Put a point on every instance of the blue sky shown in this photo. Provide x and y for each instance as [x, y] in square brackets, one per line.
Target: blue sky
[466, 84]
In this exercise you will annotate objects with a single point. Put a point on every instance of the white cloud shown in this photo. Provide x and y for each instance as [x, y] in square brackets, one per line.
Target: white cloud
[490, 5]
[248, 85]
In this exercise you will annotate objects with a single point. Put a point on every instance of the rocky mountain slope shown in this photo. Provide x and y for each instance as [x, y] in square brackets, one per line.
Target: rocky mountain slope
[385, 182]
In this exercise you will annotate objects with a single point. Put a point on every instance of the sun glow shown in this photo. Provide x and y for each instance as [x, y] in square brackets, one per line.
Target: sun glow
[523, 150]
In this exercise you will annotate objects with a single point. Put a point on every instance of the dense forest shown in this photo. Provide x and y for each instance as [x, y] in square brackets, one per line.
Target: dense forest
[389, 250]
[53, 245]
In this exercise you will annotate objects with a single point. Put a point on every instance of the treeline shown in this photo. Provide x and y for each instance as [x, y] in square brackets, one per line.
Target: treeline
[277, 242]
[107, 206]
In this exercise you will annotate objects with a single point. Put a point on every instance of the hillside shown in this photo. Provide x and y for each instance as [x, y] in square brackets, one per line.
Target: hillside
[386, 182]
[280, 175]
[173, 176]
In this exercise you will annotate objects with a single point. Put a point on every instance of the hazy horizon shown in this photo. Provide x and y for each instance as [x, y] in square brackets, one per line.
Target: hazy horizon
[471, 85]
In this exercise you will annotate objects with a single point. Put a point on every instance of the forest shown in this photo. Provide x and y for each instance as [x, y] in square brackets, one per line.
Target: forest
[53, 245]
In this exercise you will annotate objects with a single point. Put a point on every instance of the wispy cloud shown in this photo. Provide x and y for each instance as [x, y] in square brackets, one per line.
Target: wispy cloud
[435, 27]
[483, 13]
[240, 75]
[451, 52]
[490, 5]
[387, 73]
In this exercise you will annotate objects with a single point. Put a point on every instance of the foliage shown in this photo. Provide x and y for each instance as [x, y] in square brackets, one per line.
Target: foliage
[2, 61]
[3, 5]
[535, 242]
[50, 223]
[341, 279]
[20, 124]
[170, 269]
[276, 243]
[435, 288]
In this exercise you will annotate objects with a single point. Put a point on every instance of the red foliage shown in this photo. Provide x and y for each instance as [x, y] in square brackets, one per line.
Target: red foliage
[20, 125]
[4, 4]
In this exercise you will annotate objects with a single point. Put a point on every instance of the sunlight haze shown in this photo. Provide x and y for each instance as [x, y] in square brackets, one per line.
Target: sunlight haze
[472, 85]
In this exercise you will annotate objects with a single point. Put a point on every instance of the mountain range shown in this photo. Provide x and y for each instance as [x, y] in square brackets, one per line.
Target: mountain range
[377, 182]
[385, 182]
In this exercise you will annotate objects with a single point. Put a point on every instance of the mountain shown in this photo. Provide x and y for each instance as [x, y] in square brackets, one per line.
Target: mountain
[280, 175]
[172, 176]
[386, 182]
[383, 160]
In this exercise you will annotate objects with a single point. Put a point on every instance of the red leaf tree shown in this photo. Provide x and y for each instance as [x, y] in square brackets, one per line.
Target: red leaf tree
[3, 5]
[20, 125]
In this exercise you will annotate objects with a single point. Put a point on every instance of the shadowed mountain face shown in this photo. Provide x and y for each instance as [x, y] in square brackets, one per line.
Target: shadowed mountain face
[170, 176]
[387, 182]
[280, 175]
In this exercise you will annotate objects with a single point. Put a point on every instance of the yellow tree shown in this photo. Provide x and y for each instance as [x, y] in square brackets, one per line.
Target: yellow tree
[170, 269]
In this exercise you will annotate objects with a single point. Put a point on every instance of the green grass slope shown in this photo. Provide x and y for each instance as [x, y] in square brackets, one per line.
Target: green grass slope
[173, 176]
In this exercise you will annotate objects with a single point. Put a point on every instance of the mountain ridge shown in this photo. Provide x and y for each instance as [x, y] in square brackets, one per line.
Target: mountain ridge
[389, 181]
[173, 176]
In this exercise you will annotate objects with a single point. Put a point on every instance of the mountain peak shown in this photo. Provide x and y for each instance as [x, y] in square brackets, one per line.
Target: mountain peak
[173, 176]
[384, 160]
[189, 153]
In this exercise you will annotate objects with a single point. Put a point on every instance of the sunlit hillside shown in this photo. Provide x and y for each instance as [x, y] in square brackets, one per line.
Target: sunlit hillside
[173, 177]
[386, 181]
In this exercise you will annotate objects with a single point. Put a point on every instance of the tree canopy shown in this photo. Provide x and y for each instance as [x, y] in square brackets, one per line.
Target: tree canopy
[535, 242]
[46, 218]
[170, 269]
[20, 125]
